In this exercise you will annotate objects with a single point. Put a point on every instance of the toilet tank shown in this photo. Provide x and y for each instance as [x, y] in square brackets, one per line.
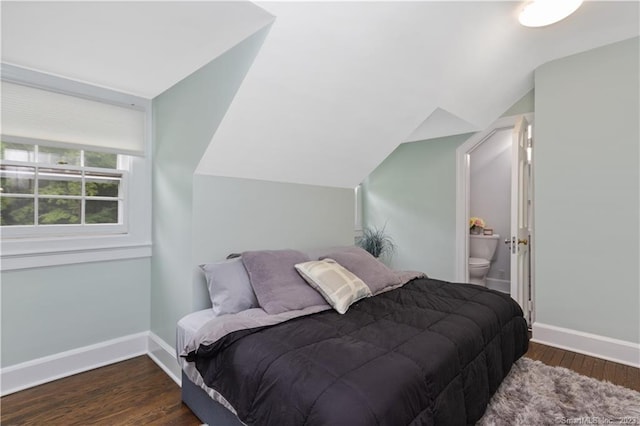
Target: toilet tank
[483, 246]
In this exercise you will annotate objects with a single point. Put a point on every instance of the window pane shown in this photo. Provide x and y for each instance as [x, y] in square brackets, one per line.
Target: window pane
[17, 179]
[100, 159]
[17, 152]
[97, 211]
[102, 185]
[16, 211]
[59, 182]
[58, 156]
[58, 211]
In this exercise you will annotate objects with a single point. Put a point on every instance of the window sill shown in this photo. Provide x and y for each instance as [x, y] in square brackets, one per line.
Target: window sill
[37, 253]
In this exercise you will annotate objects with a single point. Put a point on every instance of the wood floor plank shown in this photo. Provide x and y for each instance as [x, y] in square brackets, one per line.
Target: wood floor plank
[548, 355]
[578, 364]
[620, 375]
[587, 365]
[536, 350]
[533, 349]
[609, 371]
[598, 369]
[558, 354]
[567, 359]
[633, 379]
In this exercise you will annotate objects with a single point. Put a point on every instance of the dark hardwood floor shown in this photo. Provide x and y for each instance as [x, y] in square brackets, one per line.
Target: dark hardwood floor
[138, 392]
[597, 368]
[132, 392]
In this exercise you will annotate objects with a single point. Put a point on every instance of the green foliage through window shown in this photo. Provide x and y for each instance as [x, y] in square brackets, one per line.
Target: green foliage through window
[16, 211]
[58, 186]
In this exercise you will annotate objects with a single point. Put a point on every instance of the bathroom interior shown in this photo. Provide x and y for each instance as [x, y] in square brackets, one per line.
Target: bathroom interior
[490, 200]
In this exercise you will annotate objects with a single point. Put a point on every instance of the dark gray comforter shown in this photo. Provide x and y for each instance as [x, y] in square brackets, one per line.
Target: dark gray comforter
[430, 352]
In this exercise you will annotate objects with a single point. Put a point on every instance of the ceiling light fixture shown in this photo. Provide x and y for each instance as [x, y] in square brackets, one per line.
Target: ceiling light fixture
[540, 13]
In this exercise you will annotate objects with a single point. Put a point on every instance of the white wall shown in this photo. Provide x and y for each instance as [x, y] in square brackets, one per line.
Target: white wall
[490, 194]
[586, 159]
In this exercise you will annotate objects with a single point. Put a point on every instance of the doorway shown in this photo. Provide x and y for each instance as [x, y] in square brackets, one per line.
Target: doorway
[512, 265]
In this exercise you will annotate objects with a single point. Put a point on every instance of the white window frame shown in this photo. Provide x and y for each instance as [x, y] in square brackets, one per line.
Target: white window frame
[39, 230]
[42, 250]
[358, 211]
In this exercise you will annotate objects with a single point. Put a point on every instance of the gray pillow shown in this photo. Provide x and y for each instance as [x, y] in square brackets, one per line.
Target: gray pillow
[374, 273]
[229, 287]
[276, 283]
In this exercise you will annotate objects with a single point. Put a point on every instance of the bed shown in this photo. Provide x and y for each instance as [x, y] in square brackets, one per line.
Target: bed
[418, 351]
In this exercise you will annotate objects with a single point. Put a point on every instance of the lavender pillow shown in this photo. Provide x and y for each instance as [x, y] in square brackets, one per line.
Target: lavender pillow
[229, 287]
[374, 273]
[276, 283]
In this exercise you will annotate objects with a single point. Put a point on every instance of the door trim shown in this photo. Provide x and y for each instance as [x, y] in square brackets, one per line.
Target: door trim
[462, 189]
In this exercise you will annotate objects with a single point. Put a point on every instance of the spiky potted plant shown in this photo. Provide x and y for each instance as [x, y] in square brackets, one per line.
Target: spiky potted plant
[376, 241]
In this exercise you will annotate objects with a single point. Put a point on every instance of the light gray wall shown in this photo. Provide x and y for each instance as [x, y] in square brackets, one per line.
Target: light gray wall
[185, 118]
[490, 194]
[587, 192]
[50, 310]
[233, 215]
[200, 219]
[413, 193]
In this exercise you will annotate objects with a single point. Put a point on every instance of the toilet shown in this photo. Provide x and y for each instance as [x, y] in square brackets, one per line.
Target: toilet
[481, 251]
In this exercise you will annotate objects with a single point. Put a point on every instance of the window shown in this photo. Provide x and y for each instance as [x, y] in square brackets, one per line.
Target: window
[47, 191]
[75, 172]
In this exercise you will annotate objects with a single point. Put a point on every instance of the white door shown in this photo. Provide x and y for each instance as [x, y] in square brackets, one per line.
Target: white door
[520, 239]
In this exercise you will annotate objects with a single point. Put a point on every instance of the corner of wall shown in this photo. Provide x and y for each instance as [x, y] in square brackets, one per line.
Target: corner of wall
[524, 105]
[185, 118]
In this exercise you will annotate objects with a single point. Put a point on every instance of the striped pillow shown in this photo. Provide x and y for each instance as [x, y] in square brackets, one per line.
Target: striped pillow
[340, 287]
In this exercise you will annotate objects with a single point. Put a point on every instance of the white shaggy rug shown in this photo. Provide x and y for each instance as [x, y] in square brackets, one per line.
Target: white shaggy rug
[536, 394]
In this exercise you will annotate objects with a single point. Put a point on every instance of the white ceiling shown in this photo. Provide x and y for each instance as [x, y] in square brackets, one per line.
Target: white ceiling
[141, 48]
[336, 86]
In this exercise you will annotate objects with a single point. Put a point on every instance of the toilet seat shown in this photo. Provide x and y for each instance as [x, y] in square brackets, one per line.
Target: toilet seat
[476, 262]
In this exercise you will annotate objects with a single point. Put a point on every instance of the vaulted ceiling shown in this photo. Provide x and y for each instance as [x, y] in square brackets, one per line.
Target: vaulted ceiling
[336, 86]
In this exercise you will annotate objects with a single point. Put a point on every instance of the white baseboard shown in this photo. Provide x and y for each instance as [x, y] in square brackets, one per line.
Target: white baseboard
[46, 369]
[64, 364]
[165, 356]
[615, 350]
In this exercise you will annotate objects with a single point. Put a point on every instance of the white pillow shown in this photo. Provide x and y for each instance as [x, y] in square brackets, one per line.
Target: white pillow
[340, 287]
[229, 287]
